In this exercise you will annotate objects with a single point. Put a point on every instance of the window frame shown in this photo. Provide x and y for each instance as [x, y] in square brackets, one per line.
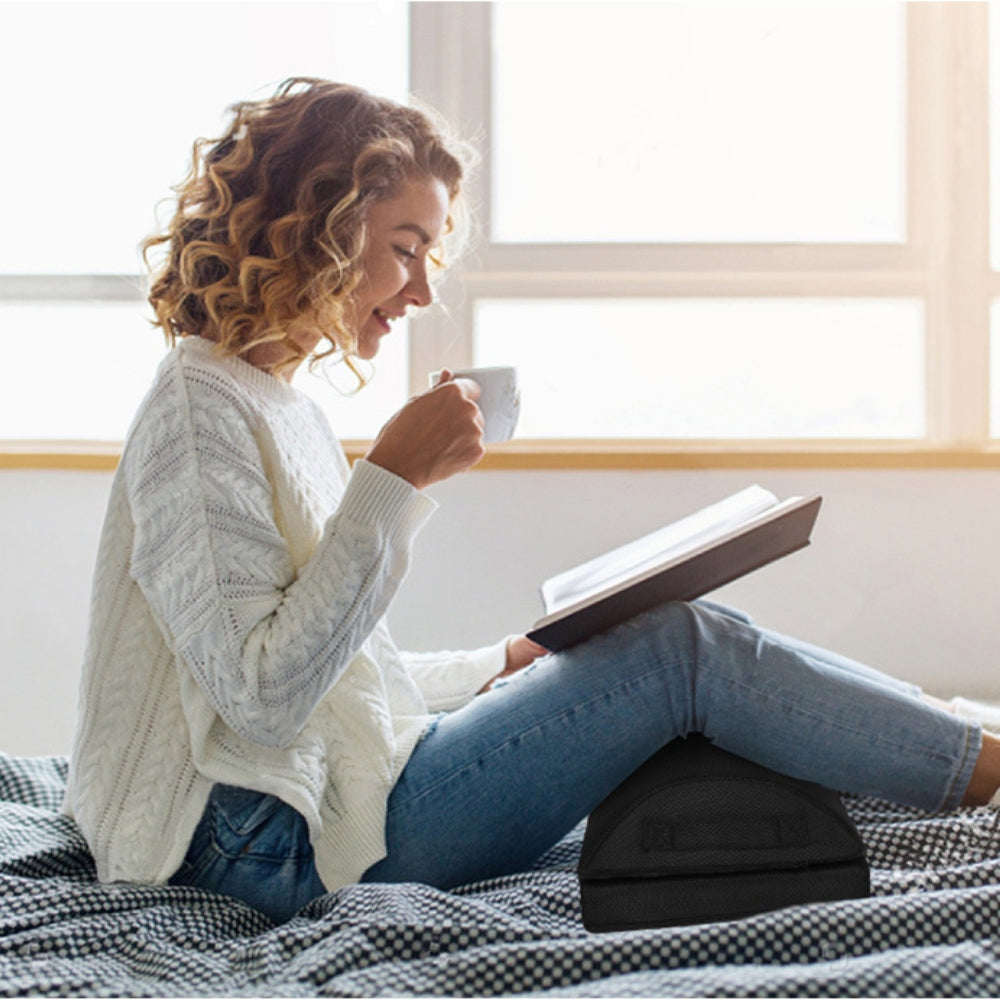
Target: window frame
[944, 261]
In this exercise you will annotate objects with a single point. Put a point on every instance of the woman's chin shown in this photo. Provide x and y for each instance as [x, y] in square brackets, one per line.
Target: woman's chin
[368, 347]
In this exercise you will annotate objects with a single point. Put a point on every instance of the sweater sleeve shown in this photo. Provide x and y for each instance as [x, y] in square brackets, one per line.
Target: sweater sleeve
[264, 643]
[449, 679]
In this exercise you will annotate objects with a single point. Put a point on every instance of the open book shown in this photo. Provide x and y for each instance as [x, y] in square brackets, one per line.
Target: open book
[679, 562]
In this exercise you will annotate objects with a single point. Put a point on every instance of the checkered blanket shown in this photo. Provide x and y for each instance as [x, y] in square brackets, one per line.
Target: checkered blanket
[927, 930]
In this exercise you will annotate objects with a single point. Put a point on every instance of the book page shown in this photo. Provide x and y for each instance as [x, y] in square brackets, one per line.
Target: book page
[633, 558]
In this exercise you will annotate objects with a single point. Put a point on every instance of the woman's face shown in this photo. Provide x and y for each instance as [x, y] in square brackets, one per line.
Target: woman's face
[402, 230]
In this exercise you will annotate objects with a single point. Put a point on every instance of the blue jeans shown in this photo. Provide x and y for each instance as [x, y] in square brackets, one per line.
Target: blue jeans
[493, 785]
[254, 847]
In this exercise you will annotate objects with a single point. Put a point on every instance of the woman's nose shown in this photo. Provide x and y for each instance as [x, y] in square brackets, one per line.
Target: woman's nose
[418, 291]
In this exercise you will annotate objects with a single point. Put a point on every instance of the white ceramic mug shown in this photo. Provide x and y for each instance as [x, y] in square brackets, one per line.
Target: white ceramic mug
[499, 399]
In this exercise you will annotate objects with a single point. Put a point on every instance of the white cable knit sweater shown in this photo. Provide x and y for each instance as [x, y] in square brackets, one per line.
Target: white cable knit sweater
[237, 629]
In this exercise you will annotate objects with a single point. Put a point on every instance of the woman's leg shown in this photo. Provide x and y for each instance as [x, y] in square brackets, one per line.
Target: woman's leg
[988, 716]
[499, 781]
[832, 659]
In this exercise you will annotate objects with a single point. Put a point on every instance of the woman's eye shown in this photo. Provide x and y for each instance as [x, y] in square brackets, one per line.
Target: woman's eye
[405, 252]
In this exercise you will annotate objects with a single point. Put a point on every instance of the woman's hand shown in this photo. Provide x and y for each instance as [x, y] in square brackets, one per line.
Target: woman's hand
[434, 436]
[521, 653]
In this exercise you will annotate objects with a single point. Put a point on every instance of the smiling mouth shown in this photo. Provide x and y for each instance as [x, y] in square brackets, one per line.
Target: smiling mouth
[386, 319]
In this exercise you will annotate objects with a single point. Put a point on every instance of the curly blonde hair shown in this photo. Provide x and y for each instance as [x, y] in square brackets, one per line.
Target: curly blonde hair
[269, 226]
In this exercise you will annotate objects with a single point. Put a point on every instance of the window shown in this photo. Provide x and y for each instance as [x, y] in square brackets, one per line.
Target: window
[699, 230]
[105, 130]
[994, 238]
[994, 84]
[699, 367]
[716, 123]
[702, 230]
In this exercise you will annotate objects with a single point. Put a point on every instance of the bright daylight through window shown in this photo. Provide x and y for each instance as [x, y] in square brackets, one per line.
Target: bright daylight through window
[720, 238]
[695, 131]
[695, 136]
[70, 280]
[995, 218]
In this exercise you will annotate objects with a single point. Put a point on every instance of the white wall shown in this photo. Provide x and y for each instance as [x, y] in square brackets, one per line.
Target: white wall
[904, 570]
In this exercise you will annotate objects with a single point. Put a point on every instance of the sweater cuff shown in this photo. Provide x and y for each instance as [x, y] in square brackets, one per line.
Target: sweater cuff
[483, 665]
[487, 663]
[449, 679]
[374, 494]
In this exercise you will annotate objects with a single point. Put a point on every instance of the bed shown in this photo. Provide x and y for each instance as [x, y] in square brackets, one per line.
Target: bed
[930, 927]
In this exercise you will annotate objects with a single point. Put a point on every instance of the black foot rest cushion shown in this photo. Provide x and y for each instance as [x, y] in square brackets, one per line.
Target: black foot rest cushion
[698, 835]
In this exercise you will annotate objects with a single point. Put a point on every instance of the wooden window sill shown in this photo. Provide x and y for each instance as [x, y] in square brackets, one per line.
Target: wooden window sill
[556, 455]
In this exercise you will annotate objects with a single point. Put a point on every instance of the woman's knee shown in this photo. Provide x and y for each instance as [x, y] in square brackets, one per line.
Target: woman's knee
[705, 645]
[669, 637]
[680, 626]
[666, 649]
[724, 609]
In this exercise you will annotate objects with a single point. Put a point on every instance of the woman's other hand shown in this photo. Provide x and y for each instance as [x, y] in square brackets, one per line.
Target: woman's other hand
[434, 436]
[521, 653]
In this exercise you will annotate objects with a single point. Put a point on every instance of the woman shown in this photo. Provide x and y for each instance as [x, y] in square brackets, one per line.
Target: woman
[247, 724]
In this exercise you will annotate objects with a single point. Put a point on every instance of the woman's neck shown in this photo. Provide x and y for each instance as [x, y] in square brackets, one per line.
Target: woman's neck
[274, 357]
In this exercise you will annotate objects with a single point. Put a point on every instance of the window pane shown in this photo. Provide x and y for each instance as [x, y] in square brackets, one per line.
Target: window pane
[74, 369]
[995, 135]
[361, 413]
[698, 122]
[103, 100]
[78, 370]
[710, 368]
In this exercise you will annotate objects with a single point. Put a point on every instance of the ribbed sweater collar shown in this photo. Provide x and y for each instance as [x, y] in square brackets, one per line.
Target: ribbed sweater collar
[204, 350]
